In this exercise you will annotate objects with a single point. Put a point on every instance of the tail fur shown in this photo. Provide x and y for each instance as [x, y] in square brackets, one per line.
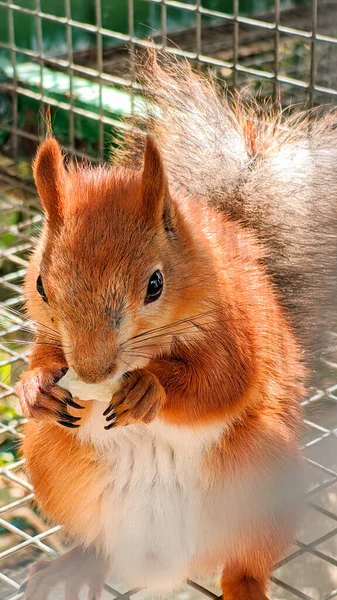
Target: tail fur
[275, 174]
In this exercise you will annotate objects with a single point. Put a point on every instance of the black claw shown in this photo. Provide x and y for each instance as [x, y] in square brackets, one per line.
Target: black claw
[67, 424]
[127, 375]
[59, 374]
[110, 426]
[72, 403]
[111, 417]
[67, 417]
[107, 410]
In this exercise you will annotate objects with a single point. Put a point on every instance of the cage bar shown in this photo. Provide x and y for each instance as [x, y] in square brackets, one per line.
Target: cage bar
[246, 48]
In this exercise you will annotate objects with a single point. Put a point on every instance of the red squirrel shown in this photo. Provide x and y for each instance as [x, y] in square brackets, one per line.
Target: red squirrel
[164, 271]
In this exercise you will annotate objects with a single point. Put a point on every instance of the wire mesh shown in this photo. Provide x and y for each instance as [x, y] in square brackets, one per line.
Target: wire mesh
[275, 48]
[278, 49]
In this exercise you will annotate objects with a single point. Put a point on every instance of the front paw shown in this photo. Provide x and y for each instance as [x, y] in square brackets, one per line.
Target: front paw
[42, 399]
[139, 399]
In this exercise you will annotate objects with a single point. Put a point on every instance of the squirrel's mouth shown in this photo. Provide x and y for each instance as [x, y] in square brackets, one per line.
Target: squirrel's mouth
[95, 373]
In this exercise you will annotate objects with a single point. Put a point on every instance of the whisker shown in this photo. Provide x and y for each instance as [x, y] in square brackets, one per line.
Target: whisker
[154, 359]
[126, 363]
[187, 330]
[199, 281]
[165, 345]
[169, 326]
[33, 321]
[9, 318]
[12, 310]
[9, 376]
[50, 338]
[28, 342]
[131, 367]
[38, 335]
[145, 346]
[150, 357]
[26, 327]
[22, 316]
[2, 341]
[142, 354]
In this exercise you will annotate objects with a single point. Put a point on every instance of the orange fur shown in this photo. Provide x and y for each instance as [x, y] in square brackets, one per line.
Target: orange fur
[50, 181]
[230, 358]
[61, 478]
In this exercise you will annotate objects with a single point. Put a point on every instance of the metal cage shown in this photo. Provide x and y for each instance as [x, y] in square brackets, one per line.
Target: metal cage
[78, 59]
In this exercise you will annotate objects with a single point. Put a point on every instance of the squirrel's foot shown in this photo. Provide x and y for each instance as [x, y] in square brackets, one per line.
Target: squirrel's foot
[139, 399]
[76, 569]
[42, 399]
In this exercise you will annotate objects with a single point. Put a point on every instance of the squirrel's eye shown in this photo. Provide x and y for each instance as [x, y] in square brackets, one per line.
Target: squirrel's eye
[39, 287]
[155, 287]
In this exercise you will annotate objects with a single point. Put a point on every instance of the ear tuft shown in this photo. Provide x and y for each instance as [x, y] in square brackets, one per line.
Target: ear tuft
[154, 179]
[50, 179]
[155, 194]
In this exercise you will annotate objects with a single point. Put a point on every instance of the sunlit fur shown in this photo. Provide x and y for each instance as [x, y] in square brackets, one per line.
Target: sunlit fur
[271, 170]
[206, 478]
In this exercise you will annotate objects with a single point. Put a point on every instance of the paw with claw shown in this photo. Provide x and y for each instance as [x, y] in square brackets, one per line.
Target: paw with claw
[139, 399]
[42, 399]
[75, 569]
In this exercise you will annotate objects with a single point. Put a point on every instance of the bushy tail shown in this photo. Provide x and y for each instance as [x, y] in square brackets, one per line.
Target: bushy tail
[274, 174]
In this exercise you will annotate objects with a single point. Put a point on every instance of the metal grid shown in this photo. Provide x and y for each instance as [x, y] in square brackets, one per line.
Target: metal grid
[254, 49]
[241, 49]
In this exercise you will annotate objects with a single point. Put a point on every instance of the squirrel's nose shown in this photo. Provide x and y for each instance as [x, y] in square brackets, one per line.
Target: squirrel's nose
[94, 374]
[94, 358]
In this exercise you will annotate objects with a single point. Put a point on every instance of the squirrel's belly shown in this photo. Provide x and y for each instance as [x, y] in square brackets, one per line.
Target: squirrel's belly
[158, 521]
[151, 533]
[156, 513]
[159, 516]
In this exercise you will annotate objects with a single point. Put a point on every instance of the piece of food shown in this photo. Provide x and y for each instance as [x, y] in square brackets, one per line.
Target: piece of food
[102, 392]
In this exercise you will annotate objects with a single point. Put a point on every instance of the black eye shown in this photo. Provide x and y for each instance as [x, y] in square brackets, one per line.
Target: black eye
[155, 287]
[40, 289]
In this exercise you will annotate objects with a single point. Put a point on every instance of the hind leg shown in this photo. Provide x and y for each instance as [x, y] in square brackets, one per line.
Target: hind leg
[247, 574]
[75, 569]
[243, 587]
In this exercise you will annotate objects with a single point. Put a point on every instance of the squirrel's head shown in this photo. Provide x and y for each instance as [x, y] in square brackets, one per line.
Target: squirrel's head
[116, 271]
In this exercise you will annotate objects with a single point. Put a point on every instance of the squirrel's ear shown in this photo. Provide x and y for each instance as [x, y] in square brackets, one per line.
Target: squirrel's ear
[50, 178]
[155, 193]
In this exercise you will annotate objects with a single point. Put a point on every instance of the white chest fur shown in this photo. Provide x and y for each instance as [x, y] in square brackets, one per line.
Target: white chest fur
[155, 514]
[159, 516]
